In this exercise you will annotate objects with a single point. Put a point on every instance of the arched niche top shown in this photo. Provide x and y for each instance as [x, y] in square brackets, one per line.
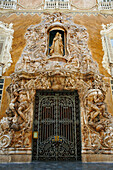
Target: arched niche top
[58, 28]
[57, 25]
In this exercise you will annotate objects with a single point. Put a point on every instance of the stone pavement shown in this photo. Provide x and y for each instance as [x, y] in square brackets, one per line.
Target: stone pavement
[56, 165]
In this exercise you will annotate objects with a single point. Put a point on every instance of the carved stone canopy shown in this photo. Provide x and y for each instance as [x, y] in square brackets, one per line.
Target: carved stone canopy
[37, 70]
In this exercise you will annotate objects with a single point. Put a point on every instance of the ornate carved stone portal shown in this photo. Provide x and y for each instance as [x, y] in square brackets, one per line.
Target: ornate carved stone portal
[57, 121]
[39, 68]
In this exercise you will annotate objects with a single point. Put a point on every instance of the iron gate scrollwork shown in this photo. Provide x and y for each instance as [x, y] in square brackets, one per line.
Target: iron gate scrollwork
[57, 120]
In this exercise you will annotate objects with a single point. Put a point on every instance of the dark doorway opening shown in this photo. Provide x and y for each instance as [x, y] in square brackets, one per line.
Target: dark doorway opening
[57, 126]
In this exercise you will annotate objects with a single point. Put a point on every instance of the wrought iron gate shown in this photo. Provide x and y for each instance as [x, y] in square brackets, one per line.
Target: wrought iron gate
[57, 123]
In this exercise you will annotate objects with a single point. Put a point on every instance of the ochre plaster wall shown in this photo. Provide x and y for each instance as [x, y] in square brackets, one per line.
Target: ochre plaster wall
[21, 23]
[5, 97]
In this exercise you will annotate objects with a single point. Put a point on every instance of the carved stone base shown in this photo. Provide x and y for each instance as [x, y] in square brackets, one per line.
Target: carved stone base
[16, 155]
[58, 58]
[106, 158]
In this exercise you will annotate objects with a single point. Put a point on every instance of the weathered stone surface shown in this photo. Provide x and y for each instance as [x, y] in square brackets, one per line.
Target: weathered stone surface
[34, 4]
[5, 97]
[97, 158]
[30, 3]
[84, 4]
[15, 158]
[6, 36]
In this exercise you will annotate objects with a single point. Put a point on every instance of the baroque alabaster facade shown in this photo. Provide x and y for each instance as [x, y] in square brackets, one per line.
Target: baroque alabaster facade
[56, 72]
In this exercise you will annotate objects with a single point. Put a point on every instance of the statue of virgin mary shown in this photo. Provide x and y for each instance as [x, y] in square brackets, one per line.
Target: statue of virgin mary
[57, 45]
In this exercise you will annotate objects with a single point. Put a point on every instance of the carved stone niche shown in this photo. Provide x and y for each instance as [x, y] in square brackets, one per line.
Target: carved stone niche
[38, 70]
[51, 32]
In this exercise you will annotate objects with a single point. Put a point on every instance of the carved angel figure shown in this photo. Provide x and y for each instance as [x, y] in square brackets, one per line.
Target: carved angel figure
[57, 46]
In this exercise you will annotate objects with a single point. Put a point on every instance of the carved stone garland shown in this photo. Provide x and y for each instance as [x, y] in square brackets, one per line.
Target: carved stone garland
[37, 71]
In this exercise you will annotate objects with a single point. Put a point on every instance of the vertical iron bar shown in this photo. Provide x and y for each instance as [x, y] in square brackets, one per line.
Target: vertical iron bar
[75, 137]
[63, 123]
[38, 128]
[66, 123]
[56, 123]
[56, 116]
[47, 122]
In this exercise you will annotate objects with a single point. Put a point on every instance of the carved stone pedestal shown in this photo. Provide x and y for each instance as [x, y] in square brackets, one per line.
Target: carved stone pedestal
[99, 158]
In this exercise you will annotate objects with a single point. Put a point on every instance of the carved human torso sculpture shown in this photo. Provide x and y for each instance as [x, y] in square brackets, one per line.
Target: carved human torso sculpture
[57, 46]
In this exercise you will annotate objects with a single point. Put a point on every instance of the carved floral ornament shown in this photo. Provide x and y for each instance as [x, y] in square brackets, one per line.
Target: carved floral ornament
[74, 70]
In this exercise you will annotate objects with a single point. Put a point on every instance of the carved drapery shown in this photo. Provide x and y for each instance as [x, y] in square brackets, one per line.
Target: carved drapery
[36, 71]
